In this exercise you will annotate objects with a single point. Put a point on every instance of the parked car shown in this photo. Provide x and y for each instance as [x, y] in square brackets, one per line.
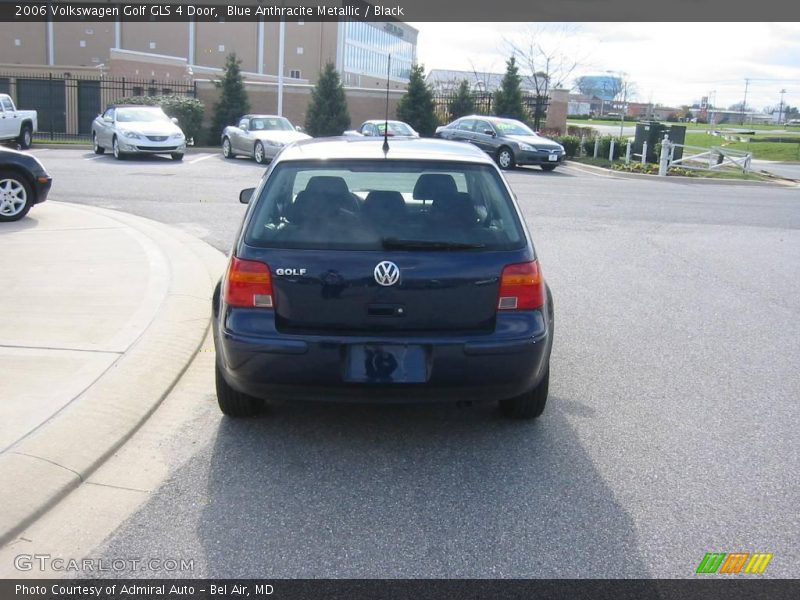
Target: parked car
[17, 125]
[400, 276]
[260, 137]
[137, 129]
[509, 141]
[375, 128]
[23, 183]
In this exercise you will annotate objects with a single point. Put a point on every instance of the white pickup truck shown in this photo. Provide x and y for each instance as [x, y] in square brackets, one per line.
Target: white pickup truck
[19, 125]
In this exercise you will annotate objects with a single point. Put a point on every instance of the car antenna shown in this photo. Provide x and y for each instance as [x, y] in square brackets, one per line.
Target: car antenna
[386, 120]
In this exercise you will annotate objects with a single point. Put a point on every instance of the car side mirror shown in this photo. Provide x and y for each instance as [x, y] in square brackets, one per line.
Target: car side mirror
[489, 132]
[174, 120]
[245, 195]
[300, 129]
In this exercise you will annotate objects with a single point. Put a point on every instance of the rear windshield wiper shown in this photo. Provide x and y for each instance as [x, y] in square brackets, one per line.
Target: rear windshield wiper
[398, 244]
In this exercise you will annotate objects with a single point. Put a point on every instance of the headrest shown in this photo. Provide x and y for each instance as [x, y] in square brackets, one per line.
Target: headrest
[430, 186]
[327, 184]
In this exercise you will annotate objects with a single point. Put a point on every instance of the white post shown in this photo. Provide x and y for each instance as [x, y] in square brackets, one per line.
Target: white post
[611, 150]
[281, 43]
[581, 147]
[644, 152]
[628, 153]
[663, 164]
[596, 146]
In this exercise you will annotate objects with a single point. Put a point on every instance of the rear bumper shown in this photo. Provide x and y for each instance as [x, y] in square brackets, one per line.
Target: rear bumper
[473, 368]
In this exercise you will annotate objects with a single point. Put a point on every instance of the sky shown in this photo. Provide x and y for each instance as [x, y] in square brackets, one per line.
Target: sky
[667, 63]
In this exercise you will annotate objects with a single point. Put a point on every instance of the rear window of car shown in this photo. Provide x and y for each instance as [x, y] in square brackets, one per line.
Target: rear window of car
[372, 205]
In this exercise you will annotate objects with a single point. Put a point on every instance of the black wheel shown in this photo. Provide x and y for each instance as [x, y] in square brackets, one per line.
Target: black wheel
[227, 150]
[505, 158]
[25, 137]
[115, 149]
[98, 149]
[177, 155]
[548, 167]
[258, 153]
[233, 403]
[530, 404]
[16, 196]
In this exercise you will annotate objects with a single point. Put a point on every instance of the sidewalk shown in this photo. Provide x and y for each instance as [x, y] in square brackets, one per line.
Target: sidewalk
[102, 312]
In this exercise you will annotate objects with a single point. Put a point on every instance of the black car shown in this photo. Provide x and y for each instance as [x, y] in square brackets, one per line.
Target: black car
[364, 275]
[509, 141]
[23, 183]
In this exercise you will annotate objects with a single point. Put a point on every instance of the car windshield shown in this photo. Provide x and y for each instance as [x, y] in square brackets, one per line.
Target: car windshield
[395, 128]
[270, 124]
[380, 204]
[127, 115]
[513, 128]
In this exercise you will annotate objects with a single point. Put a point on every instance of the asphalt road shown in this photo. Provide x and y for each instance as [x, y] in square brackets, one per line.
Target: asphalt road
[671, 429]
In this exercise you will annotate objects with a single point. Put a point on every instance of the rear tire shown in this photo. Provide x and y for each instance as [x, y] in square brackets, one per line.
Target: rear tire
[233, 403]
[98, 149]
[548, 167]
[25, 137]
[530, 404]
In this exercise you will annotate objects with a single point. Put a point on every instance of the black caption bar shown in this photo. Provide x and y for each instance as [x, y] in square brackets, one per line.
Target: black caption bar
[393, 589]
[403, 10]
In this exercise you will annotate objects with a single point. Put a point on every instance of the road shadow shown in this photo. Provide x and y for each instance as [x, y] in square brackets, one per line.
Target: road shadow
[411, 491]
[537, 172]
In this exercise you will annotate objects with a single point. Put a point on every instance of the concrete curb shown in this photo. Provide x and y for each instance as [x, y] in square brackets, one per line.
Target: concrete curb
[677, 179]
[46, 465]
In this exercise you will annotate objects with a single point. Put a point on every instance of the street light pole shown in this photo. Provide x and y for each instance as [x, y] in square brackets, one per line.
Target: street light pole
[780, 110]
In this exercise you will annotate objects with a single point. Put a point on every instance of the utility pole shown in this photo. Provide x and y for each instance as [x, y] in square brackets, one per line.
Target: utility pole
[780, 110]
[744, 102]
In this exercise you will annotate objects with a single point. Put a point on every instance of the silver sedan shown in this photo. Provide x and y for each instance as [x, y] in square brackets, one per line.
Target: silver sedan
[259, 136]
[137, 129]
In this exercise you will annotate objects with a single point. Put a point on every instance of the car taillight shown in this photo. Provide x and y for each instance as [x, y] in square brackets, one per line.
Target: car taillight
[248, 284]
[521, 287]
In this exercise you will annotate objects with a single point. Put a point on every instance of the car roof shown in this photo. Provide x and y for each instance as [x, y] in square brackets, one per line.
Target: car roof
[380, 121]
[372, 149]
[135, 106]
[491, 118]
[261, 116]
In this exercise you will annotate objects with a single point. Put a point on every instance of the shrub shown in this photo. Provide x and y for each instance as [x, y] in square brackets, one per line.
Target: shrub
[571, 144]
[605, 146]
[327, 113]
[233, 101]
[416, 107]
[188, 111]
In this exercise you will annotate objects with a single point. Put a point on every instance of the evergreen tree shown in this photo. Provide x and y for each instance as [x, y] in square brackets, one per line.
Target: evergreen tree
[327, 112]
[416, 106]
[233, 102]
[508, 98]
[462, 103]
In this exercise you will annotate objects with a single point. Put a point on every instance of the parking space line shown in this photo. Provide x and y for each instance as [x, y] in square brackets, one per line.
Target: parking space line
[197, 160]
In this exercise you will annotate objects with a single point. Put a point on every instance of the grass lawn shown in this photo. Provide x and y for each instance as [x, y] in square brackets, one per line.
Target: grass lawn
[762, 150]
[689, 126]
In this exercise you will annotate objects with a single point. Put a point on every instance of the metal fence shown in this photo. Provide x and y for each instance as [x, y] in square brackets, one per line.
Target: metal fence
[534, 104]
[67, 105]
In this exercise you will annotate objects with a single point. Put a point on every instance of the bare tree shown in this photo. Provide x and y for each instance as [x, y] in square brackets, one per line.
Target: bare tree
[544, 58]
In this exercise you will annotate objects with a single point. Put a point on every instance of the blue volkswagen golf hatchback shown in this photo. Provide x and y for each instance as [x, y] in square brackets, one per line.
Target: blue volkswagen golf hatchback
[362, 273]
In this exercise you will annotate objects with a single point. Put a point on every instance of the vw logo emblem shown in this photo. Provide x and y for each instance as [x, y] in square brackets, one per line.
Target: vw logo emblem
[386, 273]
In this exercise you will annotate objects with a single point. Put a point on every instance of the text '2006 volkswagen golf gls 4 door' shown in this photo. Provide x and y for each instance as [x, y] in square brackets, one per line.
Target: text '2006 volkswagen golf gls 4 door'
[404, 274]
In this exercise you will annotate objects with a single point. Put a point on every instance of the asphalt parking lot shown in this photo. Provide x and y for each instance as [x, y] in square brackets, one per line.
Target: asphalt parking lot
[671, 429]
